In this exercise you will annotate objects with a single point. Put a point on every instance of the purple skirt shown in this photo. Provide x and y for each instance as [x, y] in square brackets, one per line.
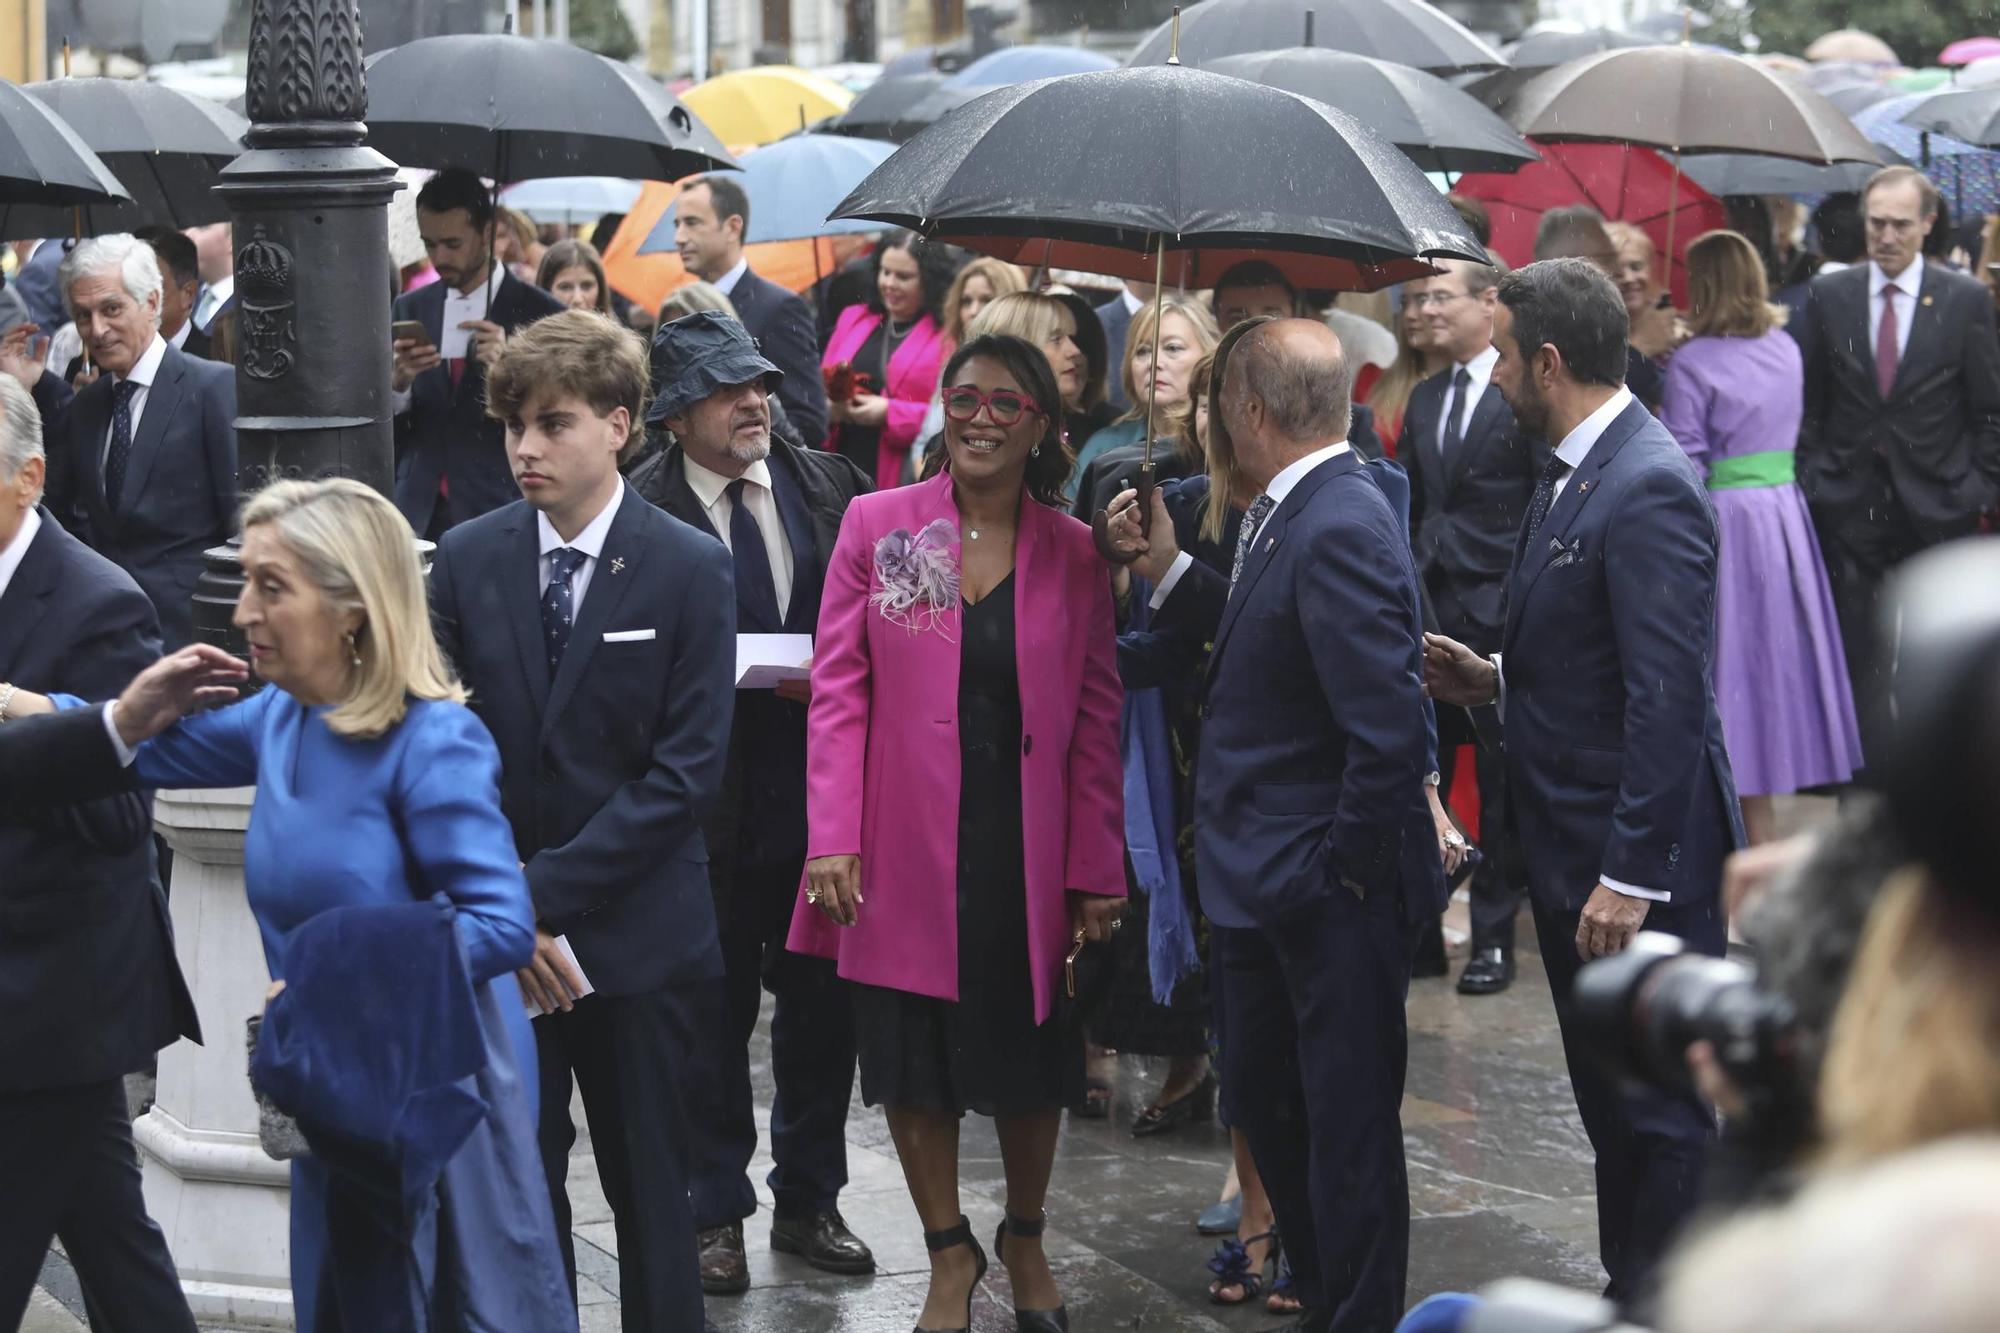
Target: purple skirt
[1780, 675]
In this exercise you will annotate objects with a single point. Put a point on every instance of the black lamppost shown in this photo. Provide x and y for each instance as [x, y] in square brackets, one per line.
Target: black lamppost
[313, 277]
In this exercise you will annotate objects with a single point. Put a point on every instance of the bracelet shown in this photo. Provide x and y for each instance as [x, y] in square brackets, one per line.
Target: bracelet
[7, 693]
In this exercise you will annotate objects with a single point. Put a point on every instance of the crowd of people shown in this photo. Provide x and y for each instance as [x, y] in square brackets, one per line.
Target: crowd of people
[1186, 787]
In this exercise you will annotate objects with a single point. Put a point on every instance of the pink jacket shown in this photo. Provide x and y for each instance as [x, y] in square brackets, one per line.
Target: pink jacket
[884, 709]
[913, 379]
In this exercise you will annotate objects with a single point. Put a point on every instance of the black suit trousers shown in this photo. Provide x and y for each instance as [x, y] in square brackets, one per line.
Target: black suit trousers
[72, 1172]
[1314, 1052]
[629, 1055]
[812, 1062]
[1861, 552]
[1499, 881]
[1650, 1144]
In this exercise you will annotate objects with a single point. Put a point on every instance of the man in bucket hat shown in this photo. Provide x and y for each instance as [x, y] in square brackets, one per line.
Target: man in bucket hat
[778, 508]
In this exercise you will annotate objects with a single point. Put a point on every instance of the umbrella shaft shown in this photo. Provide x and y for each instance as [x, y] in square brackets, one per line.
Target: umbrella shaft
[1159, 313]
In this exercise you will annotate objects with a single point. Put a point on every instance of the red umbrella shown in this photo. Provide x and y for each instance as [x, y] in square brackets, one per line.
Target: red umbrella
[1623, 183]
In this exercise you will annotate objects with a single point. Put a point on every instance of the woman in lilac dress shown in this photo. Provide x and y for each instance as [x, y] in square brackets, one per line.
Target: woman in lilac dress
[1734, 398]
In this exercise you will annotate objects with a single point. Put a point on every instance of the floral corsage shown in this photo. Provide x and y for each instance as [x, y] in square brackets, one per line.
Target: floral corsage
[917, 576]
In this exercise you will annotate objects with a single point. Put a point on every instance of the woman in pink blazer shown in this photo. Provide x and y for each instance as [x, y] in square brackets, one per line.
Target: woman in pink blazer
[964, 802]
[897, 340]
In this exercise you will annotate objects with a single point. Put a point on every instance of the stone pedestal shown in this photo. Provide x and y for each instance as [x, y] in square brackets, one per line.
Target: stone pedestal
[224, 1205]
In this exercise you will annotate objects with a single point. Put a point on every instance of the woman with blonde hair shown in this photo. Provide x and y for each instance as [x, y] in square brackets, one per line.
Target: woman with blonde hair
[980, 283]
[694, 297]
[1656, 329]
[1185, 333]
[1416, 361]
[377, 787]
[1734, 398]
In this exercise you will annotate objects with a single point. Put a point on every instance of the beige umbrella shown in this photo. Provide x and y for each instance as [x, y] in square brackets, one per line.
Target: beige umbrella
[406, 245]
[1853, 45]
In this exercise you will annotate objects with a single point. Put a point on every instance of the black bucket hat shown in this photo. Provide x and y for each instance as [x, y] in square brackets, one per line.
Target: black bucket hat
[698, 354]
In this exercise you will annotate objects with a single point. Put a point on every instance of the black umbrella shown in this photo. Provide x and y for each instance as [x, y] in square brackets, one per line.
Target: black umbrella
[519, 109]
[1408, 32]
[883, 111]
[1745, 173]
[1437, 126]
[1972, 116]
[1545, 50]
[42, 161]
[166, 147]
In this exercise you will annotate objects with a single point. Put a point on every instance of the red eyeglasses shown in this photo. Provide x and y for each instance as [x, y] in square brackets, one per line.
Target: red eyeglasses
[1003, 405]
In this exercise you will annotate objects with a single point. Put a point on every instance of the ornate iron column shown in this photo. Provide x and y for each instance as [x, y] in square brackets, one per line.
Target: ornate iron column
[313, 277]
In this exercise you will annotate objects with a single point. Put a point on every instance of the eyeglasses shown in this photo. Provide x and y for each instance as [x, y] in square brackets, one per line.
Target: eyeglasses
[1419, 300]
[1003, 405]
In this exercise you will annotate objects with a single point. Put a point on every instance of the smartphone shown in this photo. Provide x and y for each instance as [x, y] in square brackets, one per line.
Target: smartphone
[411, 330]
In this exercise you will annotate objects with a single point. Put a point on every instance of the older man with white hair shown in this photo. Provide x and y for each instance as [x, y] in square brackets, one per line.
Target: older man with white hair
[92, 989]
[143, 465]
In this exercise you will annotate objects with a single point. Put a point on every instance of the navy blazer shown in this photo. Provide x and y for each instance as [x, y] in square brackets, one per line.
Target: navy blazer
[180, 483]
[1615, 760]
[445, 432]
[608, 769]
[1117, 322]
[88, 977]
[56, 757]
[1314, 739]
[787, 335]
[1466, 509]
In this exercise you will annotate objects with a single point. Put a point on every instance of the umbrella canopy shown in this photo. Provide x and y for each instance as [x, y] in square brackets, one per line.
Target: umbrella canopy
[1020, 64]
[43, 161]
[1408, 32]
[1625, 184]
[571, 199]
[793, 184]
[647, 279]
[517, 109]
[1199, 163]
[1852, 44]
[883, 112]
[1972, 117]
[1546, 50]
[1968, 174]
[755, 106]
[1968, 49]
[1437, 126]
[1747, 173]
[1683, 100]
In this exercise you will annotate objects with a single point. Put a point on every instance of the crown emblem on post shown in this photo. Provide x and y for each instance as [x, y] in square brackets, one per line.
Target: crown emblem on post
[264, 272]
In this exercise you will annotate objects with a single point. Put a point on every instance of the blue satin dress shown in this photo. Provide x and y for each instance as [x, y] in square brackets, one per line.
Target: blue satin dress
[415, 812]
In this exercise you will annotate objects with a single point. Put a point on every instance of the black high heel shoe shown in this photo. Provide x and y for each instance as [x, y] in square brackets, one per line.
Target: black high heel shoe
[934, 1241]
[1029, 1321]
[1198, 1103]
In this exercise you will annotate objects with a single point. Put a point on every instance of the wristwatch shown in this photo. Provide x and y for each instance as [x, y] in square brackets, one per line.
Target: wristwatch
[7, 693]
[1433, 778]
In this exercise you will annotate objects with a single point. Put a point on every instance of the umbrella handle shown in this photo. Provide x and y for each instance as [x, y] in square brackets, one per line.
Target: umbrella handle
[1100, 522]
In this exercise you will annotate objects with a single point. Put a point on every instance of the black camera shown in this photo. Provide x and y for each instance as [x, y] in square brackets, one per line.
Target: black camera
[1642, 1009]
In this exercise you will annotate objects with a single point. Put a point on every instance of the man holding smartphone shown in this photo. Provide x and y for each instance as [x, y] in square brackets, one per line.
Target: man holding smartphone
[451, 459]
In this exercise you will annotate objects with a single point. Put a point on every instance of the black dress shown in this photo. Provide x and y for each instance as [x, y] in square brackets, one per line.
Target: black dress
[861, 443]
[985, 1052]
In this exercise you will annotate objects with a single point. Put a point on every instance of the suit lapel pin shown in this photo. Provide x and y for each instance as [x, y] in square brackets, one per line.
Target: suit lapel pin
[1583, 488]
[1269, 542]
[1929, 299]
[617, 563]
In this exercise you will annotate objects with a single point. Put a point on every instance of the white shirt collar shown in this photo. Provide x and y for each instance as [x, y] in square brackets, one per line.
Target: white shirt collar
[708, 484]
[1576, 445]
[494, 278]
[591, 540]
[223, 287]
[1133, 305]
[1831, 266]
[1907, 282]
[17, 550]
[1481, 366]
[179, 341]
[148, 367]
[1282, 484]
[727, 282]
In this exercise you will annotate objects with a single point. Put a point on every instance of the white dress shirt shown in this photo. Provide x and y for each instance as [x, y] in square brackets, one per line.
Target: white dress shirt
[17, 550]
[454, 342]
[141, 376]
[1480, 369]
[590, 541]
[213, 297]
[712, 489]
[1133, 305]
[1280, 487]
[1908, 282]
[179, 341]
[726, 284]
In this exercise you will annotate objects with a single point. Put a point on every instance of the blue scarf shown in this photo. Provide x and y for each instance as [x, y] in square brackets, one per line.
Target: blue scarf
[1150, 825]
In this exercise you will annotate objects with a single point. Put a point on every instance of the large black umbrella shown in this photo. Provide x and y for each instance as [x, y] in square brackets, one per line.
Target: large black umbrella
[166, 147]
[1408, 32]
[1437, 126]
[1546, 50]
[518, 109]
[42, 161]
[1745, 173]
[883, 111]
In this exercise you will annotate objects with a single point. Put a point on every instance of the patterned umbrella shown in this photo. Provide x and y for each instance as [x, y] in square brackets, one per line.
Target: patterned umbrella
[1968, 174]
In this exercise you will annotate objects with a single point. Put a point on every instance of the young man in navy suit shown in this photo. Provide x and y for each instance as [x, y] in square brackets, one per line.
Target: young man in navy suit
[597, 636]
[1620, 788]
[1316, 849]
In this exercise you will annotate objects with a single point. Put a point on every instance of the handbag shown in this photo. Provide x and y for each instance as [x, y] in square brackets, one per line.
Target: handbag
[277, 1132]
[1086, 980]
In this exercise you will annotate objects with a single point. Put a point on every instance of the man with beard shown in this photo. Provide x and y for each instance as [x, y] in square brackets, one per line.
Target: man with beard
[451, 458]
[1621, 794]
[777, 508]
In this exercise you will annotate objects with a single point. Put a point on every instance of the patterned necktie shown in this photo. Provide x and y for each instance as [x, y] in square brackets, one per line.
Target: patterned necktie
[756, 589]
[559, 602]
[120, 456]
[1886, 355]
[1544, 497]
[1454, 424]
[1253, 518]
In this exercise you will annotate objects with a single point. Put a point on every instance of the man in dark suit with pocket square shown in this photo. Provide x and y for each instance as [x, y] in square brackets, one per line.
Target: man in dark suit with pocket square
[87, 969]
[1620, 787]
[143, 464]
[597, 636]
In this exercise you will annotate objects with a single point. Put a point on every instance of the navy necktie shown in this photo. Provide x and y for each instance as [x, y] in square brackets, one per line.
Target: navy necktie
[1454, 414]
[756, 589]
[120, 456]
[1544, 496]
[1253, 518]
[559, 602]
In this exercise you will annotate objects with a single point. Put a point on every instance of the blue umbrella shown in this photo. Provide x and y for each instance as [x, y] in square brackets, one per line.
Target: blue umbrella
[793, 184]
[572, 198]
[1021, 64]
[1968, 175]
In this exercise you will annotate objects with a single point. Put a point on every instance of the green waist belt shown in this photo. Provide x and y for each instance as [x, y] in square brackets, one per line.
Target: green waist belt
[1772, 468]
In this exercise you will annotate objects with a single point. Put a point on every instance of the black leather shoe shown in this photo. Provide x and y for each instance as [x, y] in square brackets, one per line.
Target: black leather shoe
[1488, 972]
[724, 1270]
[1029, 1321]
[822, 1240]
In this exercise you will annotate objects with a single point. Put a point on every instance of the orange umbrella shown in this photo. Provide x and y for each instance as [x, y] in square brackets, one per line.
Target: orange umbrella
[647, 279]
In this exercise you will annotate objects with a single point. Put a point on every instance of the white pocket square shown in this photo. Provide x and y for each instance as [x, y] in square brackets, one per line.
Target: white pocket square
[629, 635]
